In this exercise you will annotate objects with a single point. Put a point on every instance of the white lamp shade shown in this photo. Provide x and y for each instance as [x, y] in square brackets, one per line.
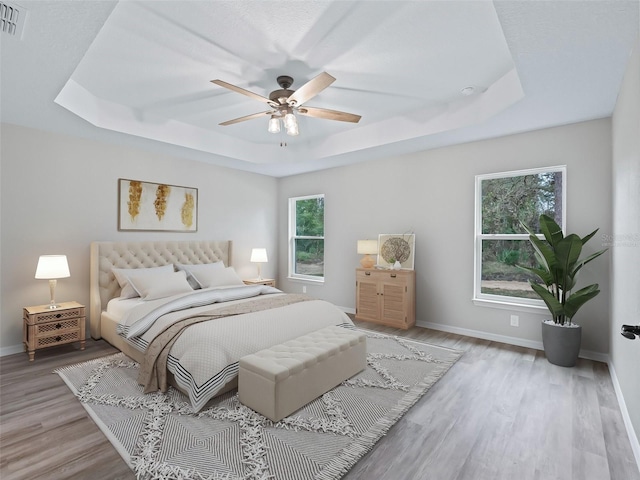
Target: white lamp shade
[367, 247]
[259, 255]
[52, 266]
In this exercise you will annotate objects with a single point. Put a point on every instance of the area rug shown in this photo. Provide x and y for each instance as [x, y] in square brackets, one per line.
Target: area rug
[160, 436]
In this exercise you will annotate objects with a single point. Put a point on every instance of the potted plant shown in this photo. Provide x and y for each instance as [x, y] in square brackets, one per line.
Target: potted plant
[394, 264]
[559, 263]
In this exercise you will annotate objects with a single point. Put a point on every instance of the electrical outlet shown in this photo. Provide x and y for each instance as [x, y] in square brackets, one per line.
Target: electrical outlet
[515, 320]
[304, 289]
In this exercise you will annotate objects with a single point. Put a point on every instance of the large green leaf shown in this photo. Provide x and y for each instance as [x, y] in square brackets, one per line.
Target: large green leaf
[545, 253]
[554, 306]
[551, 230]
[570, 282]
[544, 275]
[586, 238]
[579, 298]
[528, 229]
[584, 261]
[567, 252]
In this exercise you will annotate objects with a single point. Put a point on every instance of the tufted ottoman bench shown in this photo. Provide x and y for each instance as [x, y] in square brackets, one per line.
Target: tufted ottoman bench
[279, 380]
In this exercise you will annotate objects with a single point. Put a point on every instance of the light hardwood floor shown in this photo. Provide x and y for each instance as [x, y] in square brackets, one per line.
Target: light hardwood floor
[501, 412]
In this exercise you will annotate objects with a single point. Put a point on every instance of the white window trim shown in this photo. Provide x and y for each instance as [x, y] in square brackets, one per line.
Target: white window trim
[292, 229]
[501, 301]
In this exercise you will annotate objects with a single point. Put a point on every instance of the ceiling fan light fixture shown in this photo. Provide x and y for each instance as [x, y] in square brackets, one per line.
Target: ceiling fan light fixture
[274, 124]
[284, 103]
[293, 129]
[290, 119]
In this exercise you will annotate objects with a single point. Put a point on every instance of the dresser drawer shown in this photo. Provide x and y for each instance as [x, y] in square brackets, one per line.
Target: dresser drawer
[52, 328]
[58, 338]
[53, 315]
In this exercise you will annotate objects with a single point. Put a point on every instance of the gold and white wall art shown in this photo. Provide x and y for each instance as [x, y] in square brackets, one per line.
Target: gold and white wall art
[146, 206]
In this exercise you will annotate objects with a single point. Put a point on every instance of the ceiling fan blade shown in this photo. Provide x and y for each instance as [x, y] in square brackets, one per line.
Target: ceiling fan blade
[310, 89]
[249, 94]
[246, 117]
[329, 114]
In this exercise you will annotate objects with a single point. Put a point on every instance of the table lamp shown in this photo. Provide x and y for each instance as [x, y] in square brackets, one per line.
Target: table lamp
[259, 256]
[52, 267]
[366, 248]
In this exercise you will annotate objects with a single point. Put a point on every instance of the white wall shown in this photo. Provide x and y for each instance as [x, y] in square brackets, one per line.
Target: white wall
[625, 279]
[432, 194]
[59, 194]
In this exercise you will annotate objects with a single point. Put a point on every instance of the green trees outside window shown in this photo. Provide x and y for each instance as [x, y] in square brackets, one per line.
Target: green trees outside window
[506, 201]
[307, 225]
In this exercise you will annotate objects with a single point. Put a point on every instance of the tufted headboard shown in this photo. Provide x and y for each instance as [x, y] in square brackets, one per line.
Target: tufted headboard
[106, 255]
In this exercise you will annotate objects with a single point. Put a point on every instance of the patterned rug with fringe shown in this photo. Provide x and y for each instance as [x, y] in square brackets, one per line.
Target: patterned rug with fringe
[160, 436]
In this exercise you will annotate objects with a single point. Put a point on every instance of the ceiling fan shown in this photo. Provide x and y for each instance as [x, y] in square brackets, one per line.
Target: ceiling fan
[285, 102]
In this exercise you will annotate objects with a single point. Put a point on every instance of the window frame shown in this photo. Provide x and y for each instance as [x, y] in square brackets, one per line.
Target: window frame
[504, 301]
[292, 275]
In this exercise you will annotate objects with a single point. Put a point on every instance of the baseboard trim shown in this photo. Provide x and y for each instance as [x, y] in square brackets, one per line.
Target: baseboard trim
[520, 342]
[633, 437]
[4, 351]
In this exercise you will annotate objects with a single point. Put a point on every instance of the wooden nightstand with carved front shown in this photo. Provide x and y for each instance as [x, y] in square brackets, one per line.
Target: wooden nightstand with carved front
[45, 327]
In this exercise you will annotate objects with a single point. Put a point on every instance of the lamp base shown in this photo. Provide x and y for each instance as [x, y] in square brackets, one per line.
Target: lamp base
[367, 261]
[52, 291]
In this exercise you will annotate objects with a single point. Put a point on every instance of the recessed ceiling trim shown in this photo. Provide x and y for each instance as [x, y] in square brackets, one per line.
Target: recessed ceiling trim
[506, 91]
[112, 116]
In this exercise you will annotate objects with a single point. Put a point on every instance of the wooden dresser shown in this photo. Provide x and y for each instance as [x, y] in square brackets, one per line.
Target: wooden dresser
[45, 327]
[387, 297]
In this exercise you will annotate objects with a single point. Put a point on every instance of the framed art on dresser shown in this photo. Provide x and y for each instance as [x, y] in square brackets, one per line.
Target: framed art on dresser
[147, 206]
[396, 246]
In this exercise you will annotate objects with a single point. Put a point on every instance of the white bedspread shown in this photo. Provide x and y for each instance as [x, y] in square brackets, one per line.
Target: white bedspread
[205, 357]
[119, 307]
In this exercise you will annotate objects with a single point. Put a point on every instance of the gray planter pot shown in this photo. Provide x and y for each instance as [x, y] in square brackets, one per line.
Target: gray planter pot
[561, 344]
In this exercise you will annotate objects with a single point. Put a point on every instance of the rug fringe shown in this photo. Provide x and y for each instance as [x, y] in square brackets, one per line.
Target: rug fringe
[89, 362]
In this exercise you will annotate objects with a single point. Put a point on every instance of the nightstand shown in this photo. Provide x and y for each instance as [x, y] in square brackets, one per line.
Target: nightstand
[265, 281]
[45, 327]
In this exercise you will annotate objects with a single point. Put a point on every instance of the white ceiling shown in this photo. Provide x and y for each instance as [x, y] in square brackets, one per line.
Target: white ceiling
[139, 73]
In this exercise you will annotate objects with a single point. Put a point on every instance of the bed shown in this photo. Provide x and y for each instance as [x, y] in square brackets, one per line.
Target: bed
[230, 321]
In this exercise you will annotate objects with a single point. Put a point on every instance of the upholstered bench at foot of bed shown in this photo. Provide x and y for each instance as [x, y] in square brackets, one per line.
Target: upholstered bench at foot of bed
[279, 380]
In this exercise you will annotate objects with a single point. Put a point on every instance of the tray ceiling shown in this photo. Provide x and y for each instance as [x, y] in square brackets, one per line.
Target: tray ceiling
[144, 68]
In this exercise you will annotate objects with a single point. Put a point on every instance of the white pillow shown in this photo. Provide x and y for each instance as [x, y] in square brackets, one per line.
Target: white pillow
[123, 276]
[218, 277]
[201, 267]
[165, 284]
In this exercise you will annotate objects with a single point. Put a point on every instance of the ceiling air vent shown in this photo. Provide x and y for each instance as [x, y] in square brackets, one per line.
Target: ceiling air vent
[12, 19]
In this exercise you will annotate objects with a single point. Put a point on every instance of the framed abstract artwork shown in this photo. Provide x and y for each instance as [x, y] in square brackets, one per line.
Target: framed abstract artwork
[396, 246]
[146, 206]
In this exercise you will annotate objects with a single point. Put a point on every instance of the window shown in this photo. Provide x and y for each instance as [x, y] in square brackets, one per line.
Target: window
[503, 201]
[306, 238]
